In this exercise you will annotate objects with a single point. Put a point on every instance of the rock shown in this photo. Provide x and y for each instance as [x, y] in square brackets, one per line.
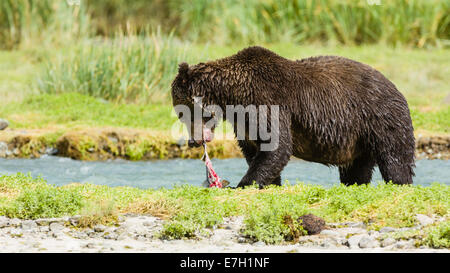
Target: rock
[355, 225]
[311, 223]
[405, 244]
[48, 221]
[351, 231]
[16, 152]
[110, 236]
[56, 227]
[387, 229]
[353, 242]
[91, 233]
[3, 149]
[80, 235]
[29, 225]
[122, 236]
[56, 234]
[241, 240]
[3, 124]
[330, 243]
[74, 220]
[368, 242]
[424, 220]
[181, 141]
[44, 228]
[51, 151]
[329, 232]
[16, 233]
[388, 241]
[259, 244]
[89, 245]
[14, 222]
[99, 228]
[4, 221]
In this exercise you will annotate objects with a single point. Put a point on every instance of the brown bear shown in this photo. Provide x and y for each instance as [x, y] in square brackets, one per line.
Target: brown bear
[332, 110]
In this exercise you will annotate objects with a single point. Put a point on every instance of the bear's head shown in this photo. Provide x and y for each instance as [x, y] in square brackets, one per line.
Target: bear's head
[189, 107]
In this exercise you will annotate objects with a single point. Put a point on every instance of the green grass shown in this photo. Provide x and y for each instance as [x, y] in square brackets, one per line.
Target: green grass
[71, 110]
[189, 209]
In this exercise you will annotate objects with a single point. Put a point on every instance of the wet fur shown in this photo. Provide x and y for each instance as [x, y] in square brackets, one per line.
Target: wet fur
[333, 111]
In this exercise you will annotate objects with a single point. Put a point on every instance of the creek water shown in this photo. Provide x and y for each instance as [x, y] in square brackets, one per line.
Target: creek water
[167, 173]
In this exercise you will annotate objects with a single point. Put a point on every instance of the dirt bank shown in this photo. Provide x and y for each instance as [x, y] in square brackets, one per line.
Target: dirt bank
[132, 144]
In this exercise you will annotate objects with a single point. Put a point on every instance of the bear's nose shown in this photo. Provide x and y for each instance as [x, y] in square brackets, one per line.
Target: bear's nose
[194, 143]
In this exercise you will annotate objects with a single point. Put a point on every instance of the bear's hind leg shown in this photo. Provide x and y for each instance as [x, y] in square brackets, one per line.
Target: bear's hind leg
[397, 173]
[359, 172]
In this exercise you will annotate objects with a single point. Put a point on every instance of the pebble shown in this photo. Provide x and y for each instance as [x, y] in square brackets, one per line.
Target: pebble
[44, 228]
[329, 232]
[4, 222]
[51, 151]
[368, 242]
[353, 241]
[74, 220]
[355, 224]
[99, 228]
[330, 243]
[56, 227]
[388, 241]
[28, 225]
[259, 244]
[16, 232]
[89, 245]
[387, 229]
[46, 221]
[405, 244]
[242, 240]
[424, 220]
[14, 222]
[3, 149]
[3, 124]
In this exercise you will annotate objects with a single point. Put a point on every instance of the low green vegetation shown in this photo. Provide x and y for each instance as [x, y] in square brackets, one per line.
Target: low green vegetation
[37, 199]
[269, 214]
[71, 110]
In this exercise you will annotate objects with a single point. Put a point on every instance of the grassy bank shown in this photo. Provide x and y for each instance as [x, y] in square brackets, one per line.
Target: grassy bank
[188, 209]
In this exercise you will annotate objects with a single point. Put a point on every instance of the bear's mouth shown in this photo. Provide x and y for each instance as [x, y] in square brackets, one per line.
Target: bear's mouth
[207, 136]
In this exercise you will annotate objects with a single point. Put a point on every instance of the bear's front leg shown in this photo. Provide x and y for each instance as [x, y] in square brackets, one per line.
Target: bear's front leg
[266, 166]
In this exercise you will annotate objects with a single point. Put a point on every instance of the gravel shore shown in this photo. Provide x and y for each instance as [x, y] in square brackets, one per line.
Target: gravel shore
[137, 233]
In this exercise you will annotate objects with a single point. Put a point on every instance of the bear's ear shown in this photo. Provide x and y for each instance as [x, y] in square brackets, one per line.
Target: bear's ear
[183, 69]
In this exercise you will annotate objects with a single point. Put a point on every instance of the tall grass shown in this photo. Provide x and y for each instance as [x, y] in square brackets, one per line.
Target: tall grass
[412, 22]
[42, 22]
[418, 23]
[131, 68]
